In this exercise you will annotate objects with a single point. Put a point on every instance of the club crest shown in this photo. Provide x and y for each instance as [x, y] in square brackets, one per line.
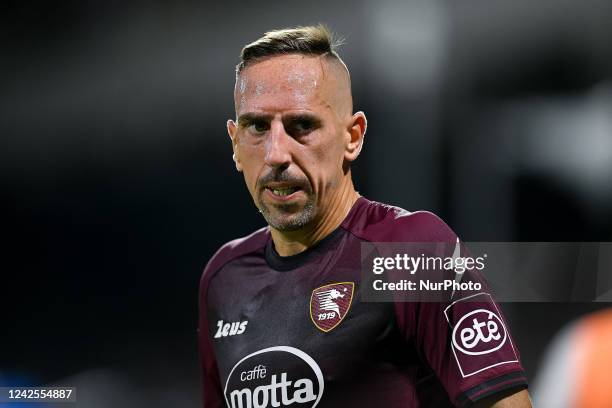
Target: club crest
[329, 304]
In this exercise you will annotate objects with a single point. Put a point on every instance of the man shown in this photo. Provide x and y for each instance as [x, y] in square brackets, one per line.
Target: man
[282, 319]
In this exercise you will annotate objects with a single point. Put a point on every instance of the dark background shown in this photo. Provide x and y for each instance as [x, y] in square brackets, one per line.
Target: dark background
[117, 181]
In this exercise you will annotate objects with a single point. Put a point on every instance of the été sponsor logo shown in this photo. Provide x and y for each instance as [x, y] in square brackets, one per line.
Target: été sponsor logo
[479, 332]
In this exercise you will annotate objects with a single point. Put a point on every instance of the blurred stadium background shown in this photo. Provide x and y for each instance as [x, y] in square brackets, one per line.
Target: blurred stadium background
[117, 181]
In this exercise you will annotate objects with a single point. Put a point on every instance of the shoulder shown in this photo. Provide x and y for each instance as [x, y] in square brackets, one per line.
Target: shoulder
[378, 222]
[233, 250]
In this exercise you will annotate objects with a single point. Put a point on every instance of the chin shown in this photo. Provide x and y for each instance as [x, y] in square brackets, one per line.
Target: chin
[286, 222]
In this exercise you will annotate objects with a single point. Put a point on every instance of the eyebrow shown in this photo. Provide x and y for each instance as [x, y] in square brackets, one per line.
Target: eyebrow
[250, 117]
[297, 117]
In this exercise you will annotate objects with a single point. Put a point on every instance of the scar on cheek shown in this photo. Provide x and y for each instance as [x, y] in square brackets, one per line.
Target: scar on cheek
[259, 89]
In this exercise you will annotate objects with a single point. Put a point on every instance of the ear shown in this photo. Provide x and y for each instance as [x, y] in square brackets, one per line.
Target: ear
[357, 129]
[232, 131]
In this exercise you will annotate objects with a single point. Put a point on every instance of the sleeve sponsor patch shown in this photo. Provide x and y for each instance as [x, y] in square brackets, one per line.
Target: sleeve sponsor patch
[479, 339]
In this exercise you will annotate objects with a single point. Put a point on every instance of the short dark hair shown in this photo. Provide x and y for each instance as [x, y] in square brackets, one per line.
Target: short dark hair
[307, 40]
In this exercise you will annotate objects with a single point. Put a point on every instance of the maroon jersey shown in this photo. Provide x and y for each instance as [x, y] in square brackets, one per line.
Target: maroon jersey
[294, 331]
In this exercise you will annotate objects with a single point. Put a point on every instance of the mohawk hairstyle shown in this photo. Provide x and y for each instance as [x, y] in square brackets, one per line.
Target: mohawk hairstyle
[307, 40]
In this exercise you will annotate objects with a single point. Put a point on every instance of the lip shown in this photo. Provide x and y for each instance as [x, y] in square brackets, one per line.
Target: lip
[286, 198]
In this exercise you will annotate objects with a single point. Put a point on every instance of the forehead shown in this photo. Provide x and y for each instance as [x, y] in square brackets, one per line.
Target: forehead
[282, 83]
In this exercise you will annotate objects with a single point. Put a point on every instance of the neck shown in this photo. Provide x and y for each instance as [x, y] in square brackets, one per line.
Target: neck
[289, 243]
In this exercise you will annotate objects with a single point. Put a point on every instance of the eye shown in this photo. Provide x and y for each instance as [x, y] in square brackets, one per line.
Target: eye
[301, 127]
[258, 127]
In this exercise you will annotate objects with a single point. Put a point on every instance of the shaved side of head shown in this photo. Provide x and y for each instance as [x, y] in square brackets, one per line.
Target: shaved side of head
[336, 71]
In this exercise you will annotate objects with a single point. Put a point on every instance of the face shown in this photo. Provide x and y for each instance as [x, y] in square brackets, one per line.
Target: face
[293, 136]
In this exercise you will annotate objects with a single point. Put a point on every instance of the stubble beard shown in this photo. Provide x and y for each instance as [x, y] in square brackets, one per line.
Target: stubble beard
[288, 217]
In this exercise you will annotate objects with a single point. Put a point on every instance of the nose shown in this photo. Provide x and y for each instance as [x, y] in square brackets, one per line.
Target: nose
[277, 146]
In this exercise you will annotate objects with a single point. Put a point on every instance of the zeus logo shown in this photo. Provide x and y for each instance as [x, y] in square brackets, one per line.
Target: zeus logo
[479, 332]
[230, 329]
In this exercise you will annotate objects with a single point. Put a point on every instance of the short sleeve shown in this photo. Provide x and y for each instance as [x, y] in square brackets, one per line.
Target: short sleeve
[466, 340]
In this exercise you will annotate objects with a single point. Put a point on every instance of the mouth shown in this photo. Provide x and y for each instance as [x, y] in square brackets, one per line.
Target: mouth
[282, 193]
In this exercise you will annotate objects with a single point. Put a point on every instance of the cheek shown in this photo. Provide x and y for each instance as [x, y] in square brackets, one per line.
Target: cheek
[325, 162]
[332, 154]
[251, 159]
[250, 179]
